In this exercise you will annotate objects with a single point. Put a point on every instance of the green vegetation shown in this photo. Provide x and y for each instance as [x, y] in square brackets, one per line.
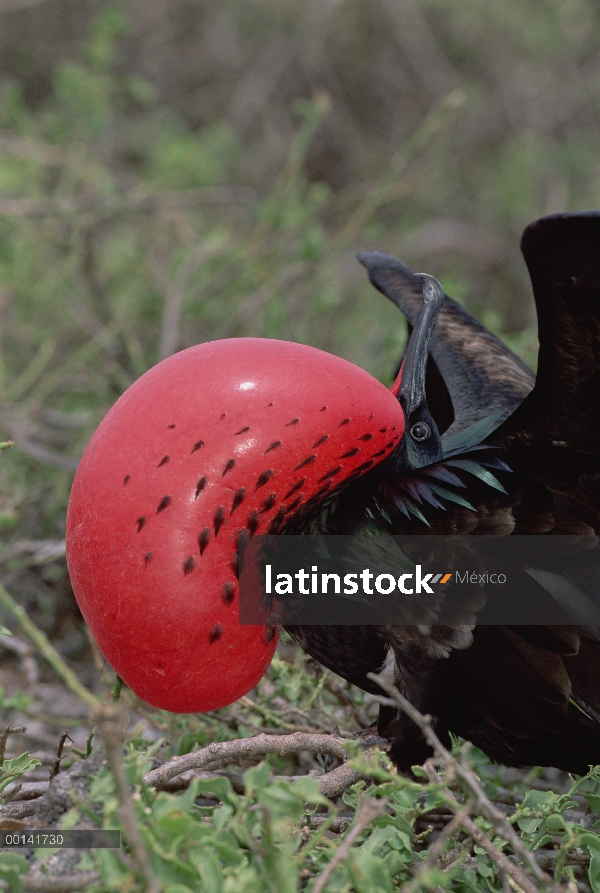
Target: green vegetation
[130, 228]
[271, 827]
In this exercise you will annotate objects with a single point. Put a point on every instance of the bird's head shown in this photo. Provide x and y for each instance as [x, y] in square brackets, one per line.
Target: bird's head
[226, 438]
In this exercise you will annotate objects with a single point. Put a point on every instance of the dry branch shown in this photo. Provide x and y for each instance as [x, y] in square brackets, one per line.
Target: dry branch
[111, 724]
[370, 808]
[334, 783]
[474, 790]
[229, 751]
[41, 552]
[59, 753]
[46, 649]
[9, 730]
[337, 825]
[435, 850]
[17, 810]
[548, 860]
[25, 790]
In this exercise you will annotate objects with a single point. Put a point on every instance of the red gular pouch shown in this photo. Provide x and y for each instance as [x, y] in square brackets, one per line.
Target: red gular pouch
[226, 438]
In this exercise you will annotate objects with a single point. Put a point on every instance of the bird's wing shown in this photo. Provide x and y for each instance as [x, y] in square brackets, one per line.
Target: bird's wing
[558, 423]
[471, 374]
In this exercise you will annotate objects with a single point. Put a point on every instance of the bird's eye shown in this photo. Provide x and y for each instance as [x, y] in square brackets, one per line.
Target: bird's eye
[420, 431]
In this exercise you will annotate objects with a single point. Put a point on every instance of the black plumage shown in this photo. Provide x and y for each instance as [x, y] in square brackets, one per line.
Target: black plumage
[523, 694]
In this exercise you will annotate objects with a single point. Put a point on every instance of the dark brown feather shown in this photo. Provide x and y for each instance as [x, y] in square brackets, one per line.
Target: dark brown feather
[512, 691]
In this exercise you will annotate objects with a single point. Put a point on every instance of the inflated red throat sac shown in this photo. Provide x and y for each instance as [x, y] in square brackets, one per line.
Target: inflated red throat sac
[224, 438]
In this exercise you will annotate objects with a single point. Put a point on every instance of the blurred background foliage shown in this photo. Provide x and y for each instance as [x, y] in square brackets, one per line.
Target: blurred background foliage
[173, 171]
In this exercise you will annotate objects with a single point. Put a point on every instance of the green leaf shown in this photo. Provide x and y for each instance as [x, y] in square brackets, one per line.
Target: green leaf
[541, 841]
[4, 631]
[308, 790]
[21, 764]
[15, 861]
[15, 884]
[590, 842]
[208, 868]
[368, 873]
[538, 799]
[434, 800]
[555, 822]
[485, 869]
[257, 778]
[471, 880]
[593, 800]
[528, 826]
[594, 870]
[112, 871]
[13, 769]
[217, 785]
[406, 798]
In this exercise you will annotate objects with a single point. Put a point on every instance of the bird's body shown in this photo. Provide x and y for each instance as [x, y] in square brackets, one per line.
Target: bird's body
[523, 694]
[237, 438]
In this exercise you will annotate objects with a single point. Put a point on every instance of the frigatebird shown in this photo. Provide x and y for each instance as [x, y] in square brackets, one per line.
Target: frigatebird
[520, 455]
[231, 440]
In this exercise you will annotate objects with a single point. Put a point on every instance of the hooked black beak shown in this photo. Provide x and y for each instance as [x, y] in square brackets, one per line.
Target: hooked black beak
[421, 444]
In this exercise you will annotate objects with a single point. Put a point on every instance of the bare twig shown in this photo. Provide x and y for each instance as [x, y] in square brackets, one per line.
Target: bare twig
[59, 750]
[339, 687]
[497, 856]
[337, 825]
[38, 451]
[17, 810]
[41, 552]
[260, 745]
[331, 784]
[24, 790]
[45, 648]
[370, 808]
[474, 789]
[547, 859]
[335, 782]
[9, 730]
[435, 850]
[24, 651]
[110, 721]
